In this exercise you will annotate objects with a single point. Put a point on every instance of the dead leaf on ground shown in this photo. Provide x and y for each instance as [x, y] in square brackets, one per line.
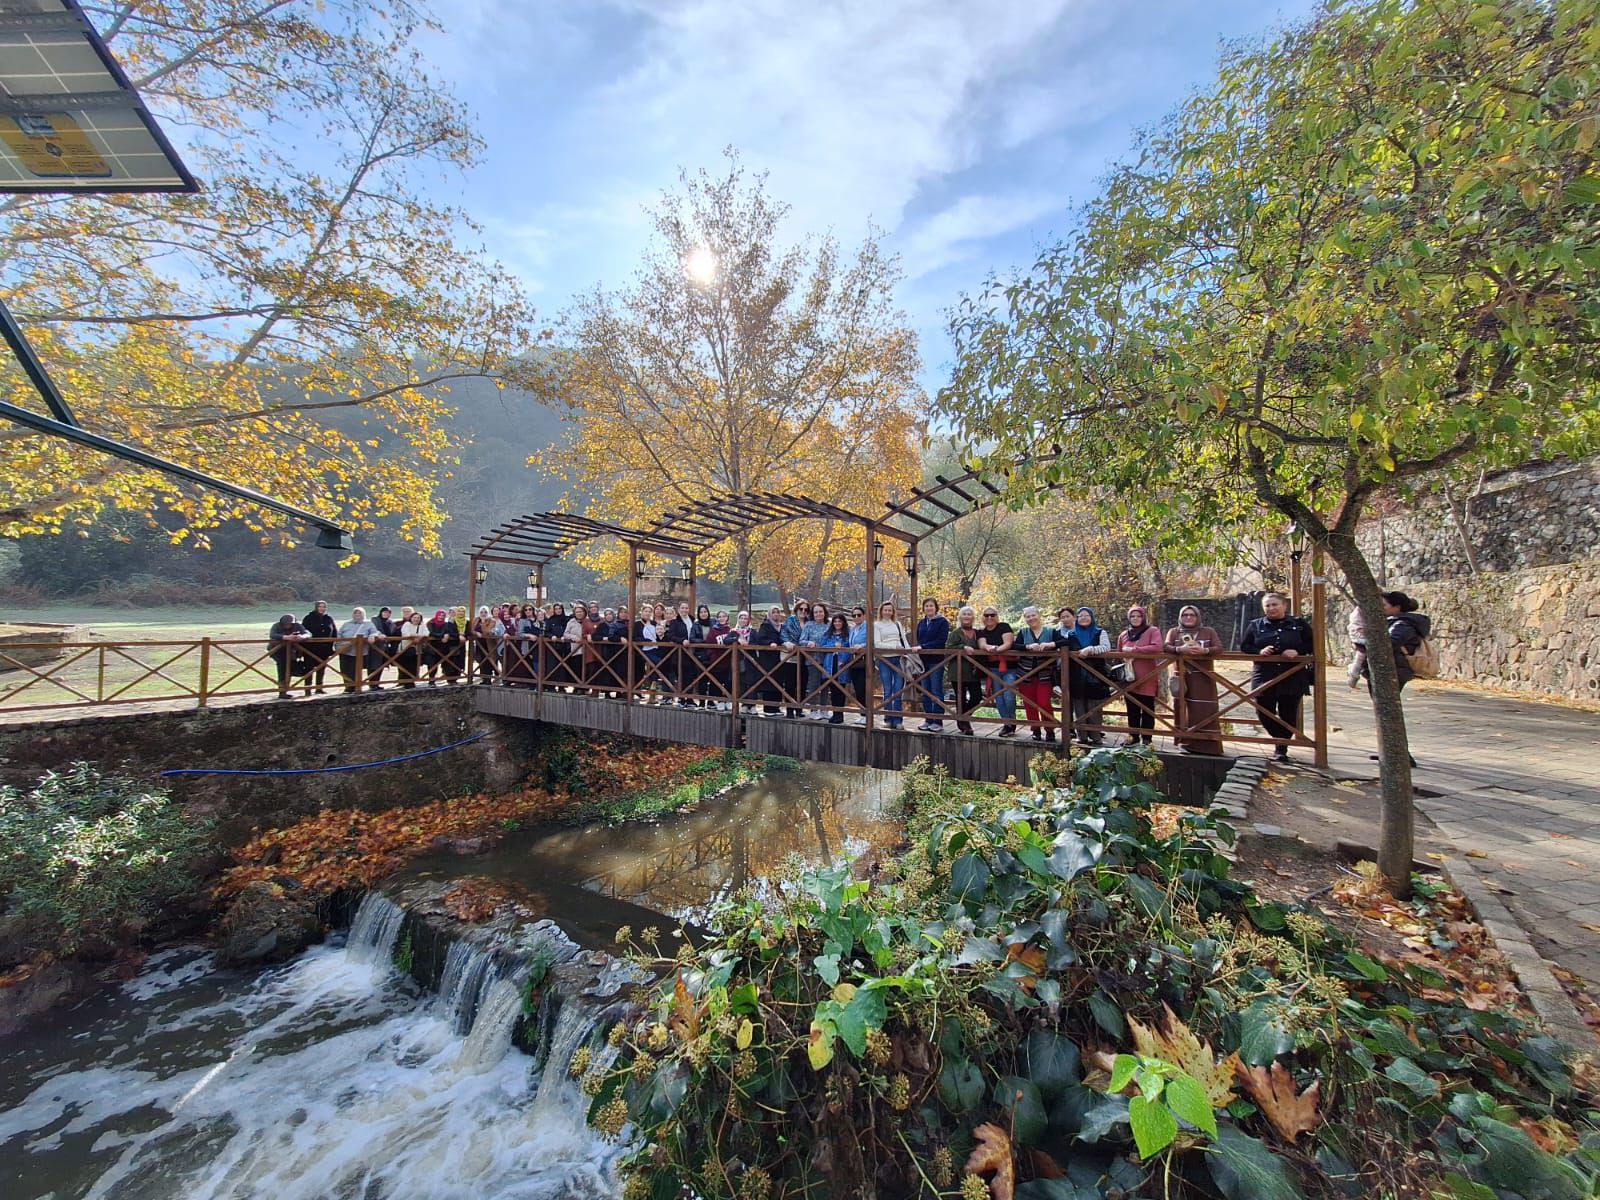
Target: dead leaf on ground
[1174, 1042]
[992, 1156]
[1290, 1112]
[1477, 854]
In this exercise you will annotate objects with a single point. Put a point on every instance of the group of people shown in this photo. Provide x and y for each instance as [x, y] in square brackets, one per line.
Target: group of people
[419, 648]
[810, 661]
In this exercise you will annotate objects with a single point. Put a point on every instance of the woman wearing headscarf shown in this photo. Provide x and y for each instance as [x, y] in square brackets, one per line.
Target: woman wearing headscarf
[1192, 643]
[356, 639]
[1278, 683]
[966, 674]
[283, 642]
[738, 672]
[485, 633]
[1087, 683]
[444, 648]
[1140, 694]
[385, 645]
[323, 629]
[413, 642]
[552, 664]
[1036, 639]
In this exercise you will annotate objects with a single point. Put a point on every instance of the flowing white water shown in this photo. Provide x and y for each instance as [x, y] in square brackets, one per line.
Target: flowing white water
[327, 1079]
[468, 973]
[375, 929]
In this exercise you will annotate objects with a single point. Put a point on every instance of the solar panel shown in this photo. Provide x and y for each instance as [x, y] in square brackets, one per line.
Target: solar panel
[69, 119]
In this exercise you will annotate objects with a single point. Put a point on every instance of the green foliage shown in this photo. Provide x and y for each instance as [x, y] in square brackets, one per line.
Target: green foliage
[405, 954]
[88, 859]
[835, 1032]
[539, 964]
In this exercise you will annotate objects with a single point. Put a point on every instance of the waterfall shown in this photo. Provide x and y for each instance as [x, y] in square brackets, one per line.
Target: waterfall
[490, 1037]
[574, 1023]
[375, 929]
[469, 972]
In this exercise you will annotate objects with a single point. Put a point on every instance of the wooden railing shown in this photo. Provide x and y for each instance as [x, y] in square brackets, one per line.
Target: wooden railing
[1213, 703]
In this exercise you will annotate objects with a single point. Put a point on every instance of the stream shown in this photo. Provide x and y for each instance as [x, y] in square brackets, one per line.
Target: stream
[336, 1077]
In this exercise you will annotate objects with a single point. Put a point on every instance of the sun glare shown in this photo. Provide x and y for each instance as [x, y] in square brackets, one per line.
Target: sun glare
[701, 265]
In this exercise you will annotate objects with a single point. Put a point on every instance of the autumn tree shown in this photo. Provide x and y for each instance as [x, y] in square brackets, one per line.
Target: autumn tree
[735, 362]
[1365, 256]
[296, 325]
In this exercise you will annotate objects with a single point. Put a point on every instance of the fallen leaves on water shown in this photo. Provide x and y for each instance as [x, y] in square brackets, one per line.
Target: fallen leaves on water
[992, 1156]
[345, 847]
[473, 900]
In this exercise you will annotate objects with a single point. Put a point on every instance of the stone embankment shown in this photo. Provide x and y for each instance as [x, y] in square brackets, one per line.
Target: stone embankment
[328, 731]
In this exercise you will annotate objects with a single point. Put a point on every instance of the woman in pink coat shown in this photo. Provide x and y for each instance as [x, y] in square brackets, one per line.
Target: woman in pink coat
[1145, 673]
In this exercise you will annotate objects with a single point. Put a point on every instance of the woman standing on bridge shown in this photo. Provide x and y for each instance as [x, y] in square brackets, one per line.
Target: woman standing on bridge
[1278, 680]
[1194, 688]
[485, 633]
[816, 677]
[1141, 636]
[889, 641]
[770, 660]
[323, 628]
[836, 665]
[967, 676]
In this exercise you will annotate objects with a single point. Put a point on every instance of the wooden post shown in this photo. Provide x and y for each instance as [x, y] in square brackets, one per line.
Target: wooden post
[1294, 583]
[205, 670]
[872, 616]
[916, 607]
[633, 615]
[469, 650]
[361, 662]
[1319, 634]
[694, 563]
[100, 681]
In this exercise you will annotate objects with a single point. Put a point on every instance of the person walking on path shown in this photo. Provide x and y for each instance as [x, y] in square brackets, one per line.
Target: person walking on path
[1408, 630]
[1280, 684]
[1194, 688]
[933, 636]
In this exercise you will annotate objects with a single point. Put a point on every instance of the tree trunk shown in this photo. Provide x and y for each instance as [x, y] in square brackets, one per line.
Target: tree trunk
[1396, 837]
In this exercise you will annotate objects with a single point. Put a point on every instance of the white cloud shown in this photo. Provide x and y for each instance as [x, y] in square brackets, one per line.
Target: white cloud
[956, 232]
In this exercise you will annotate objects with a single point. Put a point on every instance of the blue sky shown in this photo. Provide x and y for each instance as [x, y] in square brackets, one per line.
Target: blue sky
[966, 132]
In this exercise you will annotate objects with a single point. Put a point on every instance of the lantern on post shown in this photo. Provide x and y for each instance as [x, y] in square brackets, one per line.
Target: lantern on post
[909, 559]
[877, 553]
[481, 574]
[638, 565]
[1297, 551]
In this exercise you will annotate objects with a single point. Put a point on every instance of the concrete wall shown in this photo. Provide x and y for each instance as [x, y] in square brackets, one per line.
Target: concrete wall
[326, 732]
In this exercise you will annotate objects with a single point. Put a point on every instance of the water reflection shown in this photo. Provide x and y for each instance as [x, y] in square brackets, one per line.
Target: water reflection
[679, 866]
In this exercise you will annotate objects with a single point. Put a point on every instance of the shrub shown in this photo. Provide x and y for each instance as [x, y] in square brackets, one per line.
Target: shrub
[1048, 999]
[87, 859]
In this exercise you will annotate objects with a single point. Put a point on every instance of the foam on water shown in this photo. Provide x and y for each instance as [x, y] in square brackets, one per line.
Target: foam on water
[325, 1079]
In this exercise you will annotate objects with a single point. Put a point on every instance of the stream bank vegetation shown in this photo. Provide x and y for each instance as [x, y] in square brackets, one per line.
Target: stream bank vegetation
[1045, 997]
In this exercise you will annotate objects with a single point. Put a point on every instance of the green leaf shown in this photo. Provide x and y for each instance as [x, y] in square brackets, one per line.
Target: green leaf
[1122, 1069]
[1244, 1169]
[961, 1085]
[865, 1011]
[969, 877]
[1025, 1108]
[1585, 190]
[1368, 968]
[1107, 1015]
[1412, 1077]
[979, 949]
[1187, 1099]
[1072, 854]
[746, 999]
[1262, 1035]
[827, 966]
[1153, 1126]
[1053, 1061]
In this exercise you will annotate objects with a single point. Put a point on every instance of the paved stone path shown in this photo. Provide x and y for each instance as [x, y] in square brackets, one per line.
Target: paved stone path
[1514, 780]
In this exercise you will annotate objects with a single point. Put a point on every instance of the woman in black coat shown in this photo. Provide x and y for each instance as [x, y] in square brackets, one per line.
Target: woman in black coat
[1282, 639]
[319, 623]
[284, 640]
[769, 658]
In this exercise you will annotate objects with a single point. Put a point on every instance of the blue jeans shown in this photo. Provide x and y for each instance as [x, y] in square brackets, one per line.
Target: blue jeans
[933, 693]
[894, 683]
[1006, 701]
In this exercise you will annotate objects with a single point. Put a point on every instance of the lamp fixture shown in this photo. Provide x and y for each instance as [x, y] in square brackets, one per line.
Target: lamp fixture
[909, 558]
[1297, 542]
[481, 574]
[638, 565]
[877, 554]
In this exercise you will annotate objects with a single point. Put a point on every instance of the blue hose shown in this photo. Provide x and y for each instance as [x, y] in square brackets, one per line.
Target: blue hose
[382, 762]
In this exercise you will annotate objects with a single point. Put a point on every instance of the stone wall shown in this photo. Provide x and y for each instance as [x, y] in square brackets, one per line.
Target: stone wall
[330, 731]
[1535, 516]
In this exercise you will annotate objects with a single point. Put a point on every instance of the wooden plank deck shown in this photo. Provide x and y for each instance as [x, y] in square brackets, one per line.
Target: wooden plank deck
[1189, 779]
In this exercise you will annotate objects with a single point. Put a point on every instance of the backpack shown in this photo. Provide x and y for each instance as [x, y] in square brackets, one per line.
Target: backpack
[1424, 660]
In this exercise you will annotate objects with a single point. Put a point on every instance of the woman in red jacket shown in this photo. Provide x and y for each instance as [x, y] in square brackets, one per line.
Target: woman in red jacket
[1145, 673]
